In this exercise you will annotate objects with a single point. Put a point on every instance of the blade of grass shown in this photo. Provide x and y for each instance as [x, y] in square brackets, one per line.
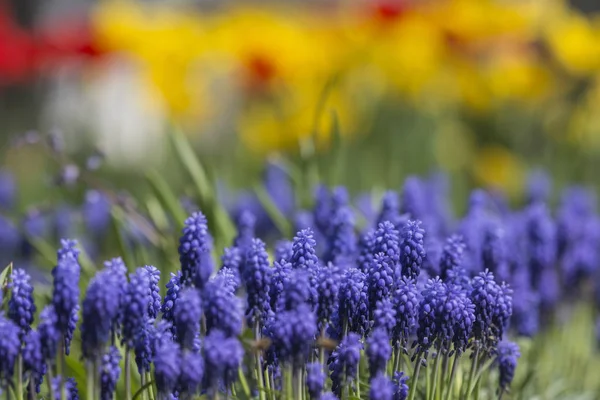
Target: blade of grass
[166, 197]
[280, 221]
[118, 225]
[218, 219]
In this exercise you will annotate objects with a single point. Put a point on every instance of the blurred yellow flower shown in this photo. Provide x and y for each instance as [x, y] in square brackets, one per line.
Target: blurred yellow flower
[496, 167]
[574, 39]
[165, 43]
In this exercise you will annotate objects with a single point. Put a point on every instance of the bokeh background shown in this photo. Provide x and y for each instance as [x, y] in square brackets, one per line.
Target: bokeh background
[486, 90]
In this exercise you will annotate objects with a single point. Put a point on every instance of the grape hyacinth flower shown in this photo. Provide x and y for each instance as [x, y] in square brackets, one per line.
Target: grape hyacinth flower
[109, 373]
[279, 277]
[8, 189]
[322, 209]
[96, 213]
[297, 290]
[412, 249]
[432, 298]
[508, 354]
[413, 197]
[142, 346]
[187, 317]
[222, 309]
[49, 335]
[386, 240]
[384, 315]
[502, 311]
[292, 333]
[65, 294]
[71, 391]
[278, 185]
[167, 366]
[381, 388]
[526, 316]
[390, 210]
[539, 187]
[328, 287]
[283, 251]
[100, 308]
[222, 358]
[170, 300]
[465, 318]
[452, 255]
[135, 305]
[341, 242]
[484, 296]
[195, 246]
[245, 226]
[400, 386]
[232, 259]
[541, 236]
[21, 306]
[33, 360]
[71, 329]
[406, 300]
[380, 279]
[231, 279]
[494, 251]
[304, 255]
[315, 380]
[192, 372]
[153, 279]
[343, 362]
[378, 351]
[353, 302]
[257, 278]
[10, 345]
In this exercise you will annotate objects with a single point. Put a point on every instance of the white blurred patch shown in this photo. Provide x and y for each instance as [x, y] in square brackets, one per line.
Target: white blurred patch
[114, 107]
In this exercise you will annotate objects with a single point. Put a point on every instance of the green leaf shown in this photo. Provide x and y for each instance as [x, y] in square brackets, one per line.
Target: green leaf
[167, 198]
[157, 214]
[280, 221]
[4, 278]
[118, 223]
[5, 274]
[218, 219]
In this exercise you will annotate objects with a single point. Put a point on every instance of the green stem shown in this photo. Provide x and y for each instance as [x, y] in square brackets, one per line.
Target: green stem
[472, 373]
[289, 391]
[358, 380]
[443, 377]
[268, 383]
[151, 388]
[397, 359]
[452, 375]
[90, 380]
[244, 383]
[298, 379]
[98, 379]
[436, 369]
[143, 383]
[62, 366]
[322, 348]
[415, 378]
[127, 373]
[19, 377]
[31, 390]
[259, 372]
[49, 382]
